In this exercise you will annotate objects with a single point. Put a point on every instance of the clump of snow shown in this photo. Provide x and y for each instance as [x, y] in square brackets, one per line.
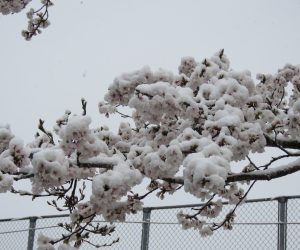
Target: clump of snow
[187, 66]
[6, 182]
[66, 247]
[12, 6]
[163, 163]
[50, 168]
[44, 243]
[78, 137]
[14, 157]
[109, 187]
[203, 175]
[5, 137]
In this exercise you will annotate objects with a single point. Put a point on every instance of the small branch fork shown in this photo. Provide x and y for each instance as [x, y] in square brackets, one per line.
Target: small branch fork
[83, 104]
[199, 210]
[71, 200]
[81, 232]
[47, 133]
[230, 216]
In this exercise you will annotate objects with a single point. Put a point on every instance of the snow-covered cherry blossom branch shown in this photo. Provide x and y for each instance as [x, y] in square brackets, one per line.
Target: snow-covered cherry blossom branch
[37, 19]
[186, 131]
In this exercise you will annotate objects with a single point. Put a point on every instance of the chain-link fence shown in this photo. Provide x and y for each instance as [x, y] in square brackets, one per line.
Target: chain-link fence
[272, 223]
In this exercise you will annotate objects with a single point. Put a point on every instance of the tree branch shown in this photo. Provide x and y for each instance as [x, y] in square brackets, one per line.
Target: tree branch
[97, 162]
[267, 174]
[283, 143]
[176, 180]
[105, 165]
[262, 175]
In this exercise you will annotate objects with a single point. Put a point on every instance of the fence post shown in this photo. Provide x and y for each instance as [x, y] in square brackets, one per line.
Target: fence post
[146, 228]
[31, 232]
[282, 226]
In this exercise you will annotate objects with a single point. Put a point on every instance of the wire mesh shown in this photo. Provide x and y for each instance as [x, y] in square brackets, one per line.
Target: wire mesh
[129, 234]
[242, 236]
[293, 230]
[255, 228]
[11, 240]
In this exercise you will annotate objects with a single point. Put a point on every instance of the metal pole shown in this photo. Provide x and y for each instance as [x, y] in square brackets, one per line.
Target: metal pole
[282, 226]
[31, 232]
[146, 228]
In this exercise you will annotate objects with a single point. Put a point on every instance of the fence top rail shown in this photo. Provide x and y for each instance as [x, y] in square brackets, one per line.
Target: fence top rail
[153, 208]
[34, 217]
[277, 198]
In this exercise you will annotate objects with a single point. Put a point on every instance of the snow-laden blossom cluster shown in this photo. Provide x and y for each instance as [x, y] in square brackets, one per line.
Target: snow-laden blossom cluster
[12, 6]
[108, 189]
[185, 130]
[50, 169]
[76, 136]
[212, 210]
[205, 173]
[294, 119]
[14, 157]
[5, 137]
[44, 243]
[37, 19]
[6, 182]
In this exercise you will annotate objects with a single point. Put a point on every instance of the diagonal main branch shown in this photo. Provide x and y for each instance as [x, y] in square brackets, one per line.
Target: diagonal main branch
[267, 174]
[287, 144]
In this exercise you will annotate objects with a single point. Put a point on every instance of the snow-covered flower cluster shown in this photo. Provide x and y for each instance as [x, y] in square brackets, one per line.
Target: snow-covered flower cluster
[123, 87]
[279, 107]
[77, 137]
[5, 137]
[6, 182]
[105, 108]
[163, 163]
[187, 66]
[40, 141]
[66, 247]
[108, 189]
[204, 175]
[44, 243]
[12, 6]
[82, 212]
[50, 168]
[187, 223]
[294, 120]
[15, 157]
[125, 131]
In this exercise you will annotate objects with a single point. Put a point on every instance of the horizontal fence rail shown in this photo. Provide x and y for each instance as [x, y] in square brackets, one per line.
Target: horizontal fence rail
[269, 223]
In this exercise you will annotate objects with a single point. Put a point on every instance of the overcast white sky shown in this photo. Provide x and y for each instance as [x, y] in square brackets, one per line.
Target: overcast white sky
[90, 42]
